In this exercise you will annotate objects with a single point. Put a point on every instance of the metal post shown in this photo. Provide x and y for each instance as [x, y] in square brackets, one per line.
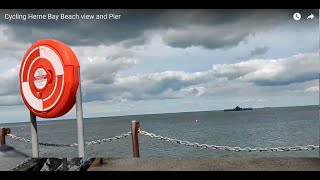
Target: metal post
[65, 164]
[34, 135]
[135, 125]
[3, 133]
[80, 118]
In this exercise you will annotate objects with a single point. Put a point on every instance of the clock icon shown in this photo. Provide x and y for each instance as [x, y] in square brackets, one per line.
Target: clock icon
[297, 16]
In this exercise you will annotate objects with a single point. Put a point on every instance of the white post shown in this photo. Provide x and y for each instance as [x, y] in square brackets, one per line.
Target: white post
[80, 118]
[34, 135]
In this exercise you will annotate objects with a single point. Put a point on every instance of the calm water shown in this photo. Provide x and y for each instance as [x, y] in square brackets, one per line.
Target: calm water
[268, 127]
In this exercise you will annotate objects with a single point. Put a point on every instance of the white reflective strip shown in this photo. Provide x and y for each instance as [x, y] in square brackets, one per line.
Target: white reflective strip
[53, 57]
[33, 101]
[22, 72]
[54, 89]
[31, 66]
[55, 102]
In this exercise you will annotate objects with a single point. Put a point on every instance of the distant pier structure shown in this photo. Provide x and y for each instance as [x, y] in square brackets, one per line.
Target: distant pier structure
[237, 108]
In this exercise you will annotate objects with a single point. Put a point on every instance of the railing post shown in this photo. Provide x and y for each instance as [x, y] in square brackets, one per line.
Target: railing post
[3, 133]
[135, 125]
[34, 135]
[79, 114]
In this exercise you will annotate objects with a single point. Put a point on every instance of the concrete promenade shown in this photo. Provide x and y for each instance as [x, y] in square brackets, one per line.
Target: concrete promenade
[206, 164]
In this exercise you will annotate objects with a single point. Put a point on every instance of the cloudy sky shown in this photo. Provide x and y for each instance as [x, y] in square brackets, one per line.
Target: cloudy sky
[159, 61]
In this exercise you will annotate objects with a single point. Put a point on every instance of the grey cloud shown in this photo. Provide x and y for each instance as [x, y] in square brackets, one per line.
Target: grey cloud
[195, 91]
[290, 88]
[239, 88]
[214, 29]
[101, 81]
[259, 51]
[208, 37]
[10, 50]
[312, 89]
[207, 28]
[9, 84]
[182, 28]
[270, 82]
[238, 79]
[82, 32]
[157, 83]
[105, 72]
[9, 100]
[162, 85]
[99, 65]
[102, 63]
[216, 34]
[10, 88]
[273, 72]
[141, 40]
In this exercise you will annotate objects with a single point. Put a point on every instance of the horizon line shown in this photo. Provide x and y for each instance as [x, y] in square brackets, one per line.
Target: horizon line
[48, 120]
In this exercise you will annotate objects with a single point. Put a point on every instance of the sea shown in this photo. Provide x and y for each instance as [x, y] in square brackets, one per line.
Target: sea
[263, 127]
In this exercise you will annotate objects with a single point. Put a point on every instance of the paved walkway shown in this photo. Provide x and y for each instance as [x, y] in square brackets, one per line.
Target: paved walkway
[10, 158]
[206, 164]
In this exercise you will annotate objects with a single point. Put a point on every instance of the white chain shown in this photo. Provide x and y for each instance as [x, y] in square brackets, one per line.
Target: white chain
[107, 139]
[187, 143]
[228, 148]
[73, 144]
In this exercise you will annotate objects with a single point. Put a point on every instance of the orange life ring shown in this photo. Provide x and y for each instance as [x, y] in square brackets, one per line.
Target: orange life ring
[49, 78]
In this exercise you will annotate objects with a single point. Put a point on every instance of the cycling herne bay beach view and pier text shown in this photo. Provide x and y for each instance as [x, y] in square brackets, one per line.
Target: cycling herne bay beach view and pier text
[103, 90]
